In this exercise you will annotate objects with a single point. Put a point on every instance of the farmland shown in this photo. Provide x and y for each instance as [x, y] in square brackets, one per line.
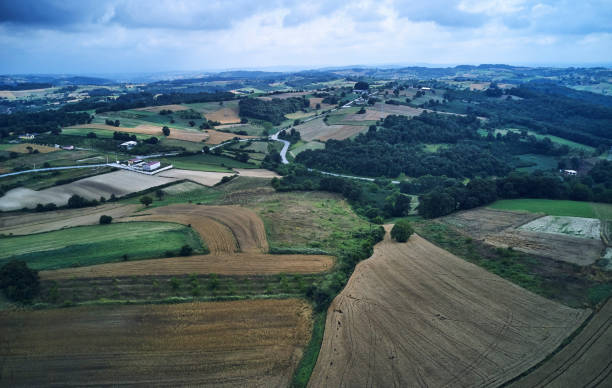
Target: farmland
[520, 231]
[557, 207]
[573, 226]
[415, 313]
[254, 343]
[585, 361]
[90, 245]
[319, 130]
[118, 183]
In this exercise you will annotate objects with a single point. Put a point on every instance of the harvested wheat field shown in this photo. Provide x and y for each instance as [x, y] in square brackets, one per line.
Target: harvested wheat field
[256, 173]
[23, 148]
[242, 343]
[118, 183]
[149, 129]
[576, 250]
[227, 115]
[382, 110]
[319, 100]
[157, 109]
[482, 222]
[584, 362]
[225, 229]
[415, 315]
[221, 264]
[205, 178]
[29, 223]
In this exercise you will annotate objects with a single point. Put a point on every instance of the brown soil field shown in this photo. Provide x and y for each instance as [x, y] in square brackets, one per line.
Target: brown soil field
[29, 223]
[381, 110]
[221, 264]
[22, 148]
[216, 137]
[283, 95]
[584, 362]
[241, 343]
[317, 129]
[482, 222]
[415, 315]
[571, 249]
[225, 115]
[205, 178]
[319, 100]
[158, 108]
[499, 228]
[479, 85]
[256, 173]
[119, 183]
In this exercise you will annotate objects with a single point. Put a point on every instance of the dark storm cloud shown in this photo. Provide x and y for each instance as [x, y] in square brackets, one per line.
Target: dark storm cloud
[49, 12]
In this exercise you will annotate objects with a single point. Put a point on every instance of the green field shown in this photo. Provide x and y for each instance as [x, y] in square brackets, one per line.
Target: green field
[205, 162]
[555, 139]
[557, 207]
[101, 133]
[303, 146]
[537, 162]
[89, 245]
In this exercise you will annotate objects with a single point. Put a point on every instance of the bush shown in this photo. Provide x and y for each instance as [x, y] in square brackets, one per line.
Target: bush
[402, 230]
[186, 250]
[18, 282]
[104, 219]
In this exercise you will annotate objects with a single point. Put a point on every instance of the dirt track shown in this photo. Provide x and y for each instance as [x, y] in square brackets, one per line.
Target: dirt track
[229, 264]
[244, 343]
[585, 362]
[416, 315]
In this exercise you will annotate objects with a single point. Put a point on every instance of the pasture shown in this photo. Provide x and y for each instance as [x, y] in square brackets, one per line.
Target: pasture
[96, 244]
[246, 343]
[413, 312]
[317, 129]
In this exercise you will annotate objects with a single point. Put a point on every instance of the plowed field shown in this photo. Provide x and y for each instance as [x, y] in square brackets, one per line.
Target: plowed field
[244, 343]
[585, 362]
[415, 315]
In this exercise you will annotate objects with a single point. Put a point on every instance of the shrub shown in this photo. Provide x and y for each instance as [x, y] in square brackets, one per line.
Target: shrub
[146, 200]
[402, 231]
[104, 219]
[186, 250]
[18, 282]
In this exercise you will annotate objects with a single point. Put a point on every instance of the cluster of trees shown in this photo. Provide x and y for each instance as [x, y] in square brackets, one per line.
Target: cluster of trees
[292, 136]
[123, 136]
[143, 99]
[551, 110]
[448, 195]
[18, 282]
[114, 123]
[273, 111]
[26, 86]
[51, 120]
[393, 149]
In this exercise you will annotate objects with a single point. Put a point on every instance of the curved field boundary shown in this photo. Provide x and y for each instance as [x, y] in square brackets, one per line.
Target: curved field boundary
[218, 226]
[585, 362]
[415, 315]
[231, 264]
[254, 343]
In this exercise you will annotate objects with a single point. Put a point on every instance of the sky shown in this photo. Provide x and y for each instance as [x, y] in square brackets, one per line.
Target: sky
[138, 36]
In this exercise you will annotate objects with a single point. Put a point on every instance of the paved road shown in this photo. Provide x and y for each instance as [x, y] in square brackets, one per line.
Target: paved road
[286, 145]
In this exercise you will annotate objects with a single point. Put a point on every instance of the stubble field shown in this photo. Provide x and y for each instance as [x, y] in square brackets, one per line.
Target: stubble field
[252, 343]
[416, 315]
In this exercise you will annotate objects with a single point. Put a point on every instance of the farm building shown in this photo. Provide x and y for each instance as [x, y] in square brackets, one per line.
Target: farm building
[134, 161]
[150, 166]
[68, 148]
[128, 145]
[570, 172]
[27, 136]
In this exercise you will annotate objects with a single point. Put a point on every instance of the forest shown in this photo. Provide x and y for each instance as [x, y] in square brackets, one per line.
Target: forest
[273, 111]
[50, 120]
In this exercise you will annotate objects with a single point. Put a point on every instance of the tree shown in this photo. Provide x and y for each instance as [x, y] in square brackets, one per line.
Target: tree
[92, 135]
[146, 200]
[117, 123]
[361, 85]
[105, 220]
[402, 230]
[186, 250]
[166, 131]
[318, 106]
[159, 194]
[18, 282]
